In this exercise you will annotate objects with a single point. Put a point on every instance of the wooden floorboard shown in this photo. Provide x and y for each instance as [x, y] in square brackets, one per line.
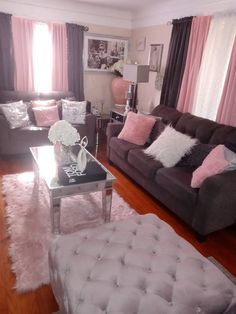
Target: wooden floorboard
[221, 245]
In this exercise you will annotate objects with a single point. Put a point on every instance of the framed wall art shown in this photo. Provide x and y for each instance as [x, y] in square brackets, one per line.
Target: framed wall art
[100, 53]
[140, 44]
[155, 57]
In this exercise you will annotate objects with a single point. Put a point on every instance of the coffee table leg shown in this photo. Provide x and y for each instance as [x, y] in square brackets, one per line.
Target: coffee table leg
[55, 211]
[35, 192]
[106, 203]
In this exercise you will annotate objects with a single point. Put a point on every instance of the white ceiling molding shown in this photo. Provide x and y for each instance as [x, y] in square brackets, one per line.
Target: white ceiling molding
[114, 13]
[67, 11]
[163, 12]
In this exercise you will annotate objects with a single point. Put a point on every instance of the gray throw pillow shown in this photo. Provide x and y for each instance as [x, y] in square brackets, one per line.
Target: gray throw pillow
[195, 158]
[74, 111]
[16, 114]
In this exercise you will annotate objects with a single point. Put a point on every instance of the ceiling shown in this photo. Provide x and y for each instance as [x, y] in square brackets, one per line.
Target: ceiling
[130, 5]
[126, 14]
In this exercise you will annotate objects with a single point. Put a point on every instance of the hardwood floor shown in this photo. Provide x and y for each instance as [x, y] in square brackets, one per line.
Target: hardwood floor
[221, 245]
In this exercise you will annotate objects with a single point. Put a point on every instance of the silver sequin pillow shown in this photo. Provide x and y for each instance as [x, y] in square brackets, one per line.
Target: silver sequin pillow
[16, 114]
[74, 111]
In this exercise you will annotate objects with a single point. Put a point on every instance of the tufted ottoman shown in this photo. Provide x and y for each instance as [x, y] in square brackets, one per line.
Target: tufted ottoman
[138, 265]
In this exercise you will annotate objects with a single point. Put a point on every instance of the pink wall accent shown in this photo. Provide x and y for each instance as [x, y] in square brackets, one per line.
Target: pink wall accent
[227, 109]
[198, 36]
[59, 58]
[22, 31]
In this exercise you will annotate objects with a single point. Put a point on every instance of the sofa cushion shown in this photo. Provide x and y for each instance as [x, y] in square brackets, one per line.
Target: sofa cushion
[225, 135]
[43, 103]
[143, 163]
[168, 115]
[177, 181]
[157, 129]
[196, 156]
[122, 147]
[197, 127]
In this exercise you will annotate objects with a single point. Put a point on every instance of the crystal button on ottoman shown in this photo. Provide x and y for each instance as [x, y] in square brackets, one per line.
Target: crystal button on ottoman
[139, 266]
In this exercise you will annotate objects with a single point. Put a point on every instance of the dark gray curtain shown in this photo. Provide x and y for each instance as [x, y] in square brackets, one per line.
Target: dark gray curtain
[75, 45]
[176, 61]
[6, 53]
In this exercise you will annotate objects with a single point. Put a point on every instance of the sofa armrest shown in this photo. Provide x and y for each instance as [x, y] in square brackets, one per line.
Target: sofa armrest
[113, 130]
[4, 133]
[216, 207]
[90, 121]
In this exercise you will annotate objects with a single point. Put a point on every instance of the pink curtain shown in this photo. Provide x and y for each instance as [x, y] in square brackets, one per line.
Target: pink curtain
[198, 36]
[59, 61]
[22, 31]
[227, 109]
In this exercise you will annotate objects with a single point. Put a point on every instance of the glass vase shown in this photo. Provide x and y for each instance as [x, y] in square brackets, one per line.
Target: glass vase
[63, 154]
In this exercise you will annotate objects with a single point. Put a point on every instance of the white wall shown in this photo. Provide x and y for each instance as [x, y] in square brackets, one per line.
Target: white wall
[98, 84]
[162, 11]
[148, 95]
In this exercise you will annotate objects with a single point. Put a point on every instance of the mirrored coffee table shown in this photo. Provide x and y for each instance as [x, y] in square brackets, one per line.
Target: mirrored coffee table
[46, 169]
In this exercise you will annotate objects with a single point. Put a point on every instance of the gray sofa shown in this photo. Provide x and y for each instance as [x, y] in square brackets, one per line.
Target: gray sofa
[208, 209]
[18, 141]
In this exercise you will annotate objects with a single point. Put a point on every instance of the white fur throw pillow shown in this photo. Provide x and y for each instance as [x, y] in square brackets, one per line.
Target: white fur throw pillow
[170, 147]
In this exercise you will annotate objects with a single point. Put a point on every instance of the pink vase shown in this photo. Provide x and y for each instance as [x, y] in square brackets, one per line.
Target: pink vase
[119, 89]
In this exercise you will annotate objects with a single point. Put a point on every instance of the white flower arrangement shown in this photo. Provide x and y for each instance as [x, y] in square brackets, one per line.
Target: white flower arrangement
[64, 133]
[117, 68]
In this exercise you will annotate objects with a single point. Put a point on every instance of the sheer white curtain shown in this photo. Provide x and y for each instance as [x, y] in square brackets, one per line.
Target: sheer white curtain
[214, 66]
[42, 58]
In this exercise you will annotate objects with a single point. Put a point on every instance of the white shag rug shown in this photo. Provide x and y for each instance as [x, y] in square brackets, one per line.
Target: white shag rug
[29, 227]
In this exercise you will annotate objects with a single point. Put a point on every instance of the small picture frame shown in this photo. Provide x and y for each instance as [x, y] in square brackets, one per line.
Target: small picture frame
[155, 57]
[141, 44]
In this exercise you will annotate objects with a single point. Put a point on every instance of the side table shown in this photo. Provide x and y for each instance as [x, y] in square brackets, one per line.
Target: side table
[101, 123]
[118, 115]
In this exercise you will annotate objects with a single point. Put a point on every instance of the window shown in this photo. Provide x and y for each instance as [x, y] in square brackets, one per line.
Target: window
[42, 58]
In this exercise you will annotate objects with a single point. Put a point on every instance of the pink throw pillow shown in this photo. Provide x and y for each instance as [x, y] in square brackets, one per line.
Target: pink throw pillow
[46, 116]
[214, 163]
[137, 128]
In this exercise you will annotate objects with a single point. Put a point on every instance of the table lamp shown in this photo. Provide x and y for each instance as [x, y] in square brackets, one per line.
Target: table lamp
[135, 73]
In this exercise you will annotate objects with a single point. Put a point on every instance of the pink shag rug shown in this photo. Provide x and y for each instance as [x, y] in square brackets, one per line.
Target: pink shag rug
[29, 226]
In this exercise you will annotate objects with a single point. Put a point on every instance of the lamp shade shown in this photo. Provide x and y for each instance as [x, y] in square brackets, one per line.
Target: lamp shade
[136, 73]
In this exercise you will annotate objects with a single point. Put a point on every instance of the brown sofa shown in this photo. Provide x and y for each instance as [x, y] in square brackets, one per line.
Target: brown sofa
[18, 141]
[210, 208]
